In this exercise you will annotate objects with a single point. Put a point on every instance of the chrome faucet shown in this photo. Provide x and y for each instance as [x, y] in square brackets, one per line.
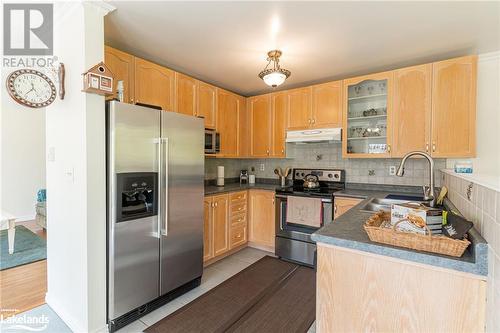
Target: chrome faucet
[428, 190]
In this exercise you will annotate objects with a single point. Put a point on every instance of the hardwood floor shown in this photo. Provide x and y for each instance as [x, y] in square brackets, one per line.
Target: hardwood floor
[23, 287]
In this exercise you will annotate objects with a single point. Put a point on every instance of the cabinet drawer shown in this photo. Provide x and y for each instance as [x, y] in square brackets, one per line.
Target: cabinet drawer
[238, 208]
[237, 219]
[238, 235]
[238, 196]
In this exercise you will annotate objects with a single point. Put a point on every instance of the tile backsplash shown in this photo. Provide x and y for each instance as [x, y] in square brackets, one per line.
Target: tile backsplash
[481, 205]
[329, 155]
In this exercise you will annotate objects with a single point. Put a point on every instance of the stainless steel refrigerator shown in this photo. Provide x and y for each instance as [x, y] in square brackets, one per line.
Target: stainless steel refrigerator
[155, 175]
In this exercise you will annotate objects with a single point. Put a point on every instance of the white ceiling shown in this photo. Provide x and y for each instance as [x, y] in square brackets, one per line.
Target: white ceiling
[225, 43]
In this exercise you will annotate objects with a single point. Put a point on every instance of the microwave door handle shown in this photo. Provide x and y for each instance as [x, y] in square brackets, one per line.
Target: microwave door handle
[165, 155]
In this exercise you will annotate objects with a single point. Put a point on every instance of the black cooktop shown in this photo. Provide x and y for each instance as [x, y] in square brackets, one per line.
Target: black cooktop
[330, 181]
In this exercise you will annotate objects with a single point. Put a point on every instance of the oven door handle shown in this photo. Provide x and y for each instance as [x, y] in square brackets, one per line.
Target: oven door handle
[286, 196]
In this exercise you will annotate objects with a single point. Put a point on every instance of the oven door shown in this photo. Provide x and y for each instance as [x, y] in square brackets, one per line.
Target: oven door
[297, 231]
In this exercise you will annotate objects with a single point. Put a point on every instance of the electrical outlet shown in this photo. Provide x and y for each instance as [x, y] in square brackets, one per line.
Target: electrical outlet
[262, 167]
[392, 170]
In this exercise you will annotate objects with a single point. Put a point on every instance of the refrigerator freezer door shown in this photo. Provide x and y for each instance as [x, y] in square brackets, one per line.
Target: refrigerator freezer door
[181, 200]
[133, 246]
[136, 131]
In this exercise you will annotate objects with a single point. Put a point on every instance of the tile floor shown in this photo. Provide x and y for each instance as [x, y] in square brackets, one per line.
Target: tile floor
[212, 276]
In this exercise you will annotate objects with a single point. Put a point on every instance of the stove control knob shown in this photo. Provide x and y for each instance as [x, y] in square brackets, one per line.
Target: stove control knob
[302, 174]
[330, 175]
[297, 174]
[337, 176]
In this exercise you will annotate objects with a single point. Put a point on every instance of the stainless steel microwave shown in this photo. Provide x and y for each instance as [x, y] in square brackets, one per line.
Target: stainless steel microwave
[212, 141]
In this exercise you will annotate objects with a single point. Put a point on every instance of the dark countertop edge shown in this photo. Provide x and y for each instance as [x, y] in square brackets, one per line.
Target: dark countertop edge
[411, 256]
[235, 187]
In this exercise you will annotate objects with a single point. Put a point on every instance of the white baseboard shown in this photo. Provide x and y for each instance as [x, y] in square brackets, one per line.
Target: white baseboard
[103, 329]
[74, 324]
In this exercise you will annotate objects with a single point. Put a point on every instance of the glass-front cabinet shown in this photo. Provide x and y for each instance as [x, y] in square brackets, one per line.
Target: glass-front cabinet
[367, 115]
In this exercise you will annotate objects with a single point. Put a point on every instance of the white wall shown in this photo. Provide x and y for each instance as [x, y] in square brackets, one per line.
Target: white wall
[22, 155]
[487, 161]
[76, 243]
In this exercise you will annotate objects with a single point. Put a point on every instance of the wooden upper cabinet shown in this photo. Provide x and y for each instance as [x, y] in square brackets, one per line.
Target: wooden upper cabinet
[299, 108]
[154, 84]
[185, 94]
[121, 65]
[327, 105]
[261, 222]
[227, 122]
[412, 110]
[454, 107]
[243, 128]
[259, 108]
[220, 224]
[208, 249]
[207, 103]
[279, 105]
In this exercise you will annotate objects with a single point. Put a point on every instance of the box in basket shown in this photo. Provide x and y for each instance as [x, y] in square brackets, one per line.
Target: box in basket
[416, 217]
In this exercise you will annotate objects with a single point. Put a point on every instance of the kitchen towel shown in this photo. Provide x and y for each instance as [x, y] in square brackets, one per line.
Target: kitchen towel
[305, 211]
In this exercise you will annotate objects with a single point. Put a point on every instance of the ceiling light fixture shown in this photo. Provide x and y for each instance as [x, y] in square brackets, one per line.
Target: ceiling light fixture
[275, 75]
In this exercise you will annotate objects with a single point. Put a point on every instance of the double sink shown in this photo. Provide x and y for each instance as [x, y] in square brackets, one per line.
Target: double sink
[378, 204]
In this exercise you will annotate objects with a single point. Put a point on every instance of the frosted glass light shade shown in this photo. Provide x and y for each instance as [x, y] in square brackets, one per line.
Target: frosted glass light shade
[274, 79]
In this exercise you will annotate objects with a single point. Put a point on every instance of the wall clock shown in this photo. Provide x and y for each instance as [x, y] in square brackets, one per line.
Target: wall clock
[31, 88]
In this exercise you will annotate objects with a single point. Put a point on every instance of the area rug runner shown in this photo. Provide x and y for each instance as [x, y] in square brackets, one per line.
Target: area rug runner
[28, 248]
[269, 296]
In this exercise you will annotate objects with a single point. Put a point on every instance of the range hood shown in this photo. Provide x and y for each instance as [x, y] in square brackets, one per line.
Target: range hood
[314, 135]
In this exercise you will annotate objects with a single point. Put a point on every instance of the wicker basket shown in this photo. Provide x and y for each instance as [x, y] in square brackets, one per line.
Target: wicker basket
[437, 244]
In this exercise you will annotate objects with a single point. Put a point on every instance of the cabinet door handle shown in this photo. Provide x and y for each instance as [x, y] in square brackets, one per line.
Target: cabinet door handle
[335, 209]
[282, 151]
[267, 152]
[309, 121]
[132, 100]
[313, 121]
[388, 148]
[433, 147]
[427, 147]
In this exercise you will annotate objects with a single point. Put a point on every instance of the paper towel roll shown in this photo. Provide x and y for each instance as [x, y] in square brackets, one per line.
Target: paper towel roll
[220, 172]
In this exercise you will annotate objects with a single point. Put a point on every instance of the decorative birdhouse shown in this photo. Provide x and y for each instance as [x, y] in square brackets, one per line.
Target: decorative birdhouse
[98, 80]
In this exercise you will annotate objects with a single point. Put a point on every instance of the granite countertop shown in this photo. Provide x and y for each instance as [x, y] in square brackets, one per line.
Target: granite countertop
[234, 187]
[347, 231]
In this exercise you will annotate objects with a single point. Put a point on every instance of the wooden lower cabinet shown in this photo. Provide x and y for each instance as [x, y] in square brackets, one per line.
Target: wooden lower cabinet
[221, 224]
[364, 292]
[261, 213]
[343, 204]
[225, 225]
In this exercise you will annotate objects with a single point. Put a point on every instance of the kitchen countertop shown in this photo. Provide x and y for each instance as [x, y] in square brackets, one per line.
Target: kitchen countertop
[234, 187]
[347, 231]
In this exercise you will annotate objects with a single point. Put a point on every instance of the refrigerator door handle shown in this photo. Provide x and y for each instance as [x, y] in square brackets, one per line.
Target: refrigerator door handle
[165, 150]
